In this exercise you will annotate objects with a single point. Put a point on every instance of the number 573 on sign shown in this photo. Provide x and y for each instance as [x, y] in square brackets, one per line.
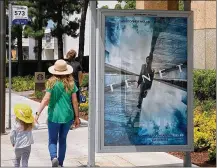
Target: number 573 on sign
[19, 12]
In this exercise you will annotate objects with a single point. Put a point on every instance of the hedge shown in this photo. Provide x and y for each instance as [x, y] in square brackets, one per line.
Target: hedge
[205, 112]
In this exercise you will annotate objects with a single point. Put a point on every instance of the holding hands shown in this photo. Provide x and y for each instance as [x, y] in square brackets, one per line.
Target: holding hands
[77, 122]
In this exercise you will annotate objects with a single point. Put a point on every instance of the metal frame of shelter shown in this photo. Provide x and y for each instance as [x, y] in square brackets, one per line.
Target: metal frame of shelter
[100, 72]
[93, 63]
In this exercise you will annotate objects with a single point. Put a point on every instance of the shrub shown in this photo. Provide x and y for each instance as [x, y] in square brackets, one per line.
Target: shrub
[20, 84]
[84, 107]
[204, 84]
[212, 152]
[85, 81]
[204, 114]
[39, 95]
[85, 93]
[205, 131]
[208, 105]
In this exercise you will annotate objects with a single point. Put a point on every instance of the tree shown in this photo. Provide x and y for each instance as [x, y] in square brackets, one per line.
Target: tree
[181, 5]
[35, 28]
[118, 6]
[105, 7]
[84, 6]
[129, 4]
[57, 10]
[17, 31]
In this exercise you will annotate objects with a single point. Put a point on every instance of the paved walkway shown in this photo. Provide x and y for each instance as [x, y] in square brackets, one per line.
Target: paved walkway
[77, 149]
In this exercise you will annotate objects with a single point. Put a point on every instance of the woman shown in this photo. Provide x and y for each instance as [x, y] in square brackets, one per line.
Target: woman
[77, 69]
[60, 90]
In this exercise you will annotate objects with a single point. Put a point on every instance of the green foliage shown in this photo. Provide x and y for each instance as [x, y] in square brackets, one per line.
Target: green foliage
[105, 7]
[205, 131]
[181, 5]
[39, 95]
[205, 111]
[204, 84]
[85, 80]
[129, 4]
[118, 6]
[84, 107]
[20, 84]
[59, 10]
[208, 105]
[212, 152]
[6, 83]
[36, 11]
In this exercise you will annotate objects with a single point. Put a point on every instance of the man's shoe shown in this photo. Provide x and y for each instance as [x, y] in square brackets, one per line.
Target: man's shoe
[55, 162]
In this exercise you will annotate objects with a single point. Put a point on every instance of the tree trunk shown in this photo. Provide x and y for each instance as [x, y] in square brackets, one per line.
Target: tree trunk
[60, 34]
[82, 31]
[20, 54]
[60, 46]
[39, 66]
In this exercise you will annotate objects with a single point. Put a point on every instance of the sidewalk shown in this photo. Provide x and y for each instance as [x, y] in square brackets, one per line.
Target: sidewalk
[77, 149]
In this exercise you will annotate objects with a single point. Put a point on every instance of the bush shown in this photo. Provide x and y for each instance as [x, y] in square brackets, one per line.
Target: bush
[84, 107]
[205, 113]
[204, 84]
[208, 105]
[85, 81]
[20, 84]
[212, 152]
[205, 131]
[39, 95]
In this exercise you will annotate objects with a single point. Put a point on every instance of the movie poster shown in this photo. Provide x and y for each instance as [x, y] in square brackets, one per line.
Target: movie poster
[145, 95]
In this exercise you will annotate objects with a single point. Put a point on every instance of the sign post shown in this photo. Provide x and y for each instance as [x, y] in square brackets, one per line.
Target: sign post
[18, 15]
[9, 61]
[2, 66]
[39, 81]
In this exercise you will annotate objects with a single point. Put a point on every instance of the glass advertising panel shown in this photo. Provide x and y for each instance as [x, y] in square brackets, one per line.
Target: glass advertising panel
[145, 95]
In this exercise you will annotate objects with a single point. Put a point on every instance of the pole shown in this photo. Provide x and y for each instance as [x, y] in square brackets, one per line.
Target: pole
[92, 86]
[187, 5]
[187, 157]
[187, 160]
[2, 65]
[9, 22]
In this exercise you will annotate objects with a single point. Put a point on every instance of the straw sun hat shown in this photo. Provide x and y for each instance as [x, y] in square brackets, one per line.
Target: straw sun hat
[60, 68]
[24, 113]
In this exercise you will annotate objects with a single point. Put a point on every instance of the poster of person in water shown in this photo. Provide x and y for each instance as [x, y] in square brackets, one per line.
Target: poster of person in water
[145, 95]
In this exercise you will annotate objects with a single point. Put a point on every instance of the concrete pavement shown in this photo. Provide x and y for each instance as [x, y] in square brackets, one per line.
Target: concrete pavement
[77, 148]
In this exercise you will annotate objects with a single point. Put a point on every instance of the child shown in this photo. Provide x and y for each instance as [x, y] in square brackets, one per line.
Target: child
[21, 134]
